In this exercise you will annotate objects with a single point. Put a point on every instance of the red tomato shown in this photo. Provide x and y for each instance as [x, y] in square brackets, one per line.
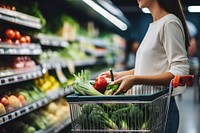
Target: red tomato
[23, 39]
[17, 34]
[9, 33]
[28, 39]
[100, 84]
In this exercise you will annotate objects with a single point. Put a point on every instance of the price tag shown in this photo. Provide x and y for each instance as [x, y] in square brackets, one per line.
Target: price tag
[5, 118]
[60, 74]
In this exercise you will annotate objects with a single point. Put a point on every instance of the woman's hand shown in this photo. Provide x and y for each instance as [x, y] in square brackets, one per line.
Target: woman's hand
[126, 83]
[116, 75]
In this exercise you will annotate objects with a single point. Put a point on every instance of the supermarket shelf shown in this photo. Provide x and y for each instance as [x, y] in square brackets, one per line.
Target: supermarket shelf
[97, 53]
[24, 110]
[52, 41]
[57, 127]
[62, 63]
[23, 49]
[96, 42]
[55, 94]
[19, 75]
[35, 105]
[20, 18]
[90, 61]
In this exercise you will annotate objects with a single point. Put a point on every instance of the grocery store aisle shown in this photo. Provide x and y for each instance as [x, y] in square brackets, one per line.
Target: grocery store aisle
[189, 112]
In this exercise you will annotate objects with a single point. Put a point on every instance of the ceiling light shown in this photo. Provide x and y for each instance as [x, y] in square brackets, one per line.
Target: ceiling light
[194, 8]
[145, 10]
[121, 25]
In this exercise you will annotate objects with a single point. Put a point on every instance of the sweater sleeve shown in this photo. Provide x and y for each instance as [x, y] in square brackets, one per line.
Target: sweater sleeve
[174, 45]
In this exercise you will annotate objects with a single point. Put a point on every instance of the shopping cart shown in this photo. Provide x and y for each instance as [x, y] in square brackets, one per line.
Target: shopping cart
[144, 111]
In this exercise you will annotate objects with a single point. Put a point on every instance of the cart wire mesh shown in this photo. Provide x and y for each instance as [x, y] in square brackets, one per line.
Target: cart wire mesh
[141, 110]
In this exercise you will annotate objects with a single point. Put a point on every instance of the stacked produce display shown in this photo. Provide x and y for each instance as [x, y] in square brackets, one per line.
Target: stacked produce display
[41, 119]
[40, 56]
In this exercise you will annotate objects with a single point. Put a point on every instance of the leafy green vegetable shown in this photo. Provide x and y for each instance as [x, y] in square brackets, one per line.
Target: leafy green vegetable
[82, 85]
[102, 119]
[127, 116]
[122, 116]
[110, 89]
[135, 117]
[85, 120]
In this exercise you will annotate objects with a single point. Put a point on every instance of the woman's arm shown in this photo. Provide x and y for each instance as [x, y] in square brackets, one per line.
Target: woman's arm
[161, 79]
[128, 81]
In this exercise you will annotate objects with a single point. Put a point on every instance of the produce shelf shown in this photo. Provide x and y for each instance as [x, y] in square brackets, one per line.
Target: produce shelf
[96, 42]
[19, 75]
[23, 49]
[55, 94]
[20, 18]
[91, 61]
[52, 41]
[24, 110]
[57, 127]
[51, 96]
[64, 63]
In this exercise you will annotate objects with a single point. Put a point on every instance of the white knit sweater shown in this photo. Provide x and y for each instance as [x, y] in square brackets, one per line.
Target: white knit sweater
[163, 48]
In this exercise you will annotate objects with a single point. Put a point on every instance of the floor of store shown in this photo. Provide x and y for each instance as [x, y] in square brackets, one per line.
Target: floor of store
[189, 112]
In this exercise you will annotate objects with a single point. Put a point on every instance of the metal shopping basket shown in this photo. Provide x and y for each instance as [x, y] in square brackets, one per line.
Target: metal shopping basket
[144, 111]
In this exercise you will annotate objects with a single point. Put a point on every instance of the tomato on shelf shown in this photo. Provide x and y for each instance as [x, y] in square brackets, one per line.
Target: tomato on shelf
[13, 36]
[28, 39]
[13, 8]
[22, 39]
[9, 33]
[17, 34]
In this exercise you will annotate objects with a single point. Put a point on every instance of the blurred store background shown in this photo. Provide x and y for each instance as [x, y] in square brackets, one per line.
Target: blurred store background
[43, 42]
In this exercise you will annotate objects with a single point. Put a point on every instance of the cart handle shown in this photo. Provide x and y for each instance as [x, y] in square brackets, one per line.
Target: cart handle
[183, 80]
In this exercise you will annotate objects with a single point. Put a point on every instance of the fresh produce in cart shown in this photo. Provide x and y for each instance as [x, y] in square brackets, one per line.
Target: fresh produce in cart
[100, 84]
[83, 86]
[115, 116]
[100, 87]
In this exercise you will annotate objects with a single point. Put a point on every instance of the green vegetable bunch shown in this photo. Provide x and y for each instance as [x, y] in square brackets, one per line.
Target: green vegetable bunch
[94, 117]
[128, 117]
[82, 85]
[113, 116]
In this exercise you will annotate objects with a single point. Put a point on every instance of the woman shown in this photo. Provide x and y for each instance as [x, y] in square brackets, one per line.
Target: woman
[161, 55]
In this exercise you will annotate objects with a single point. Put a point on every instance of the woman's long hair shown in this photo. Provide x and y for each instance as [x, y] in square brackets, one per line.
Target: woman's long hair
[175, 7]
